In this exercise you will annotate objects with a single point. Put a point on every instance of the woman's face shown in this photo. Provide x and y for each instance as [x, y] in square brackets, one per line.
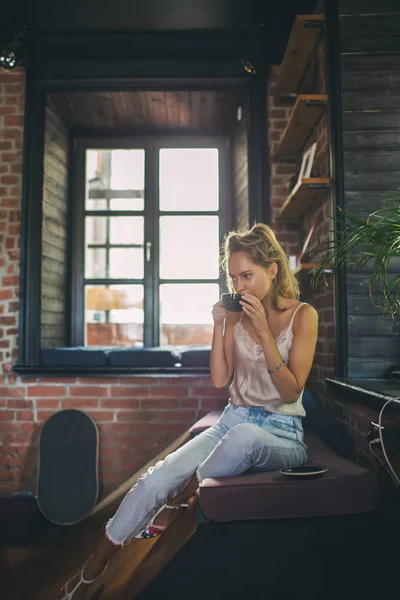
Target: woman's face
[247, 277]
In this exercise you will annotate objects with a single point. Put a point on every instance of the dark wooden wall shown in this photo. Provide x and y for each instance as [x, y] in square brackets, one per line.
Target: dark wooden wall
[370, 79]
[54, 232]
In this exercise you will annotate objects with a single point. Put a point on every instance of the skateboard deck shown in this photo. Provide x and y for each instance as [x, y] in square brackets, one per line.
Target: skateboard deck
[68, 486]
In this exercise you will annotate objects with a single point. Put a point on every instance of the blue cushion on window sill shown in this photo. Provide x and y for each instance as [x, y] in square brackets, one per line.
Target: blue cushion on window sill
[195, 356]
[98, 356]
[143, 357]
[79, 356]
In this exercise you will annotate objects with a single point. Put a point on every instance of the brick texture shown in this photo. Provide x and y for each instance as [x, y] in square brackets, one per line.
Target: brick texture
[357, 420]
[136, 418]
[11, 134]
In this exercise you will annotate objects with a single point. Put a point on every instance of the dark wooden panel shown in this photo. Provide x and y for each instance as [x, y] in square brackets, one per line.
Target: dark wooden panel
[370, 62]
[54, 225]
[370, 76]
[52, 333]
[363, 202]
[370, 160]
[53, 266]
[371, 121]
[358, 285]
[358, 325]
[371, 140]
[370, 33]
[56, 281]
[371, 100]
[370, 44]
[354, 26]
[157, 110]
[357, 7]
[54, 232]
[371, 180]
[362, 368]
[363, 305]
[53, 293]
[56, 252]
[57, 304]
[53, 206]
[393, 267]
[52, 317]
[367, 80]
[124, 15]
[370, 346]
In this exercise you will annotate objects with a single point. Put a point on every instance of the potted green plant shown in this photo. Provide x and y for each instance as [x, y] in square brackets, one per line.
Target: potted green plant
[372, 241]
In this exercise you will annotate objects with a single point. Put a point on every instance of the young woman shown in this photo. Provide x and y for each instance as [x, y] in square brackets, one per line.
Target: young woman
[269, 349]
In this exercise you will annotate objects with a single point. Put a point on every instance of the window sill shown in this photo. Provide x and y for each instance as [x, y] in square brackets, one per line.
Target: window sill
[371, 392]
[43, 371]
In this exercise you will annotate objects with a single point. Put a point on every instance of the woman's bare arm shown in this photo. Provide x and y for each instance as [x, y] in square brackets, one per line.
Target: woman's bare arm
[290, 379]
[221, 357]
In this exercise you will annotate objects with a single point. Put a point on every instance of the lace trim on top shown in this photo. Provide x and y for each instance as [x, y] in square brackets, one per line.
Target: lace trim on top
[254, 348]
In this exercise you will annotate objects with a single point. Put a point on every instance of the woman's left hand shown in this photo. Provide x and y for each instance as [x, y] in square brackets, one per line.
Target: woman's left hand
[253, 308]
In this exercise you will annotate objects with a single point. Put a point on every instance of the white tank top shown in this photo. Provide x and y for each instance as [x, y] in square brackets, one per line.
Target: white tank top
[252, 385]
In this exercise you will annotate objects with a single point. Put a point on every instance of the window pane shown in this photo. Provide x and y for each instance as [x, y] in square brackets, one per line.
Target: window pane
[189, 247]
[97, 204]
[126, 230]
[126, 263]
[115, 174]
[189, 179]
[121, 204]
[185, 313]
[114, 315]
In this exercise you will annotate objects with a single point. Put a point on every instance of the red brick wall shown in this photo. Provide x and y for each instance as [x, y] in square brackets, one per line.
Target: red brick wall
[11, 132]
[136, 417]
[357, 420]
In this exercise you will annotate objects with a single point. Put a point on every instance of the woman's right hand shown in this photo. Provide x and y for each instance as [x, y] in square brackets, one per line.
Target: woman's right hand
[219, 313]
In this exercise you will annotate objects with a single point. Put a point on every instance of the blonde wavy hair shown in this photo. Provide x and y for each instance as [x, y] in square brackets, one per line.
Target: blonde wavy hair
[263, 248]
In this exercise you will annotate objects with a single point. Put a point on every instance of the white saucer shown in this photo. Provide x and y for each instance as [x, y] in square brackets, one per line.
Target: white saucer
[309, 471]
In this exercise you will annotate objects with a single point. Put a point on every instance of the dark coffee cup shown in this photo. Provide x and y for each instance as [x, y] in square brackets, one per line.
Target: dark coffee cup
[231, 302]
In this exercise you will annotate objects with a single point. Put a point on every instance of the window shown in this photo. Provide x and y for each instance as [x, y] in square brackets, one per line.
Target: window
[148, 217]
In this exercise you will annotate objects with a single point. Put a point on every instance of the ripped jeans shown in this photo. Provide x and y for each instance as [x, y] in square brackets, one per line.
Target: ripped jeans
[243, 438]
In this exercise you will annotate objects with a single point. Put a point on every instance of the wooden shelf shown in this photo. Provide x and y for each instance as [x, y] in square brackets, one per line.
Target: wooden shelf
[304, 267]
[302, 196]
[305, 114]
[299, 50]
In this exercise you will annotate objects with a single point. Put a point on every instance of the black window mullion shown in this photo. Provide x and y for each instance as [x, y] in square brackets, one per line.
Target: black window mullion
[226, 221]
[156, 245]
[78, 245]
[150, 303]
